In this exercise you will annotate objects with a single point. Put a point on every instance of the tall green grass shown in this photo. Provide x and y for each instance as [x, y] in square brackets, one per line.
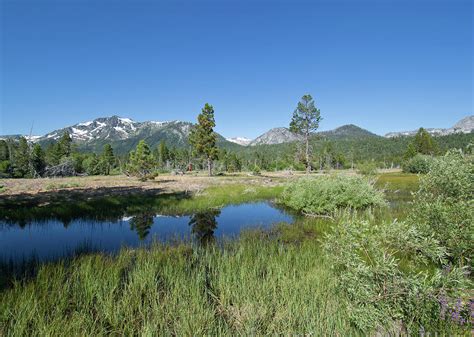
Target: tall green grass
[254, 285]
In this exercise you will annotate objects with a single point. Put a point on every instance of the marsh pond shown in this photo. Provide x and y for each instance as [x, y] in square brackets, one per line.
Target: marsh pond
[56, 230]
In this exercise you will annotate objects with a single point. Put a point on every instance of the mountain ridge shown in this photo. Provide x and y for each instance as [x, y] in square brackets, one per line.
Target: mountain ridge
[124, 134]
[465, 125]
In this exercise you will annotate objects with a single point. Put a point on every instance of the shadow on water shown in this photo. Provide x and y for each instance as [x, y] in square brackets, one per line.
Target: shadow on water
[203, 226]
[34, 233]
[107, 208]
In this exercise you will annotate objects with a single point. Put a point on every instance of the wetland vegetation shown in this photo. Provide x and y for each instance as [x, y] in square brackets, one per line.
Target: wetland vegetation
[359, 271]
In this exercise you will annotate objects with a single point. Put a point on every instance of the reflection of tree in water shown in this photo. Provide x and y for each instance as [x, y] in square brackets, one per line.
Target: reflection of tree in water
[142, 223]
[204, 224]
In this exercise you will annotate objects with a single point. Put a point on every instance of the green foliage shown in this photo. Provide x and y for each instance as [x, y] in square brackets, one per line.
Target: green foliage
[327, 194]
[368, 168]
[5, 168]
[305, 120]
[203, 138]
[38, 161]
[410, 152]
[141, 162]
[371, 260]
[444, 206]
[4, 151]
[93, 165]
[418, 164]
[53, 154]
[424, 143]
[21, 161]
[162, 155]
[65, 145]
[107, 159]
[256, 171]
[306, 116]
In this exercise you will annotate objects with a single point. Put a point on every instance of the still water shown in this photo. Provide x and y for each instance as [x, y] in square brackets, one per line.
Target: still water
[71, 229]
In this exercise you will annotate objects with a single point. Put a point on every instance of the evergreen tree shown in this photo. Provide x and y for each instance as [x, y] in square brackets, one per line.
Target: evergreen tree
[424, 143]
[108, 158]
[38, 162]
[141, 161]
[4, 151]
[203, 138]
[410, 152]
[21, 164]
[53, 154]
[64, 145]
[306, 118]
[163, 154]
[5, 165]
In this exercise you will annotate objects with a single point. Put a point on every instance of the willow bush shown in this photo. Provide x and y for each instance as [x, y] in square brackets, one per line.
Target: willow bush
[327, 194]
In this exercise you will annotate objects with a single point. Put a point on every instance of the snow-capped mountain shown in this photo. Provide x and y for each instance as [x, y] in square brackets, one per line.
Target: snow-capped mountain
[465, 125]
[240, 140]
[122, 133]
[107, 128]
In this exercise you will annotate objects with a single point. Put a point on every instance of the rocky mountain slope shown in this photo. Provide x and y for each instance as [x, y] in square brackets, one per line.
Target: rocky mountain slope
[465, 125]
[275, 136]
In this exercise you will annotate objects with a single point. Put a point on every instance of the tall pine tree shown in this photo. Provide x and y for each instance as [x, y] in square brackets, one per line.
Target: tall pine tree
[21, 163]
[203, 138]
[38, 163]
[306, 118]
[65, 145]
[108, 158]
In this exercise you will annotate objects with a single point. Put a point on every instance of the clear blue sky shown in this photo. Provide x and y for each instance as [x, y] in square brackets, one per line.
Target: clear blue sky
[383, 65]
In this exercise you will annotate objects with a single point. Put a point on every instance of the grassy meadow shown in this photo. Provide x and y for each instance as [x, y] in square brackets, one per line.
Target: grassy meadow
[286, 280]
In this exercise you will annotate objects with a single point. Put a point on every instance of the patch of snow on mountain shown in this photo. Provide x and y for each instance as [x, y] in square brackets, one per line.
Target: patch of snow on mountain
[85, 123]
[32, 138]
[240, 140]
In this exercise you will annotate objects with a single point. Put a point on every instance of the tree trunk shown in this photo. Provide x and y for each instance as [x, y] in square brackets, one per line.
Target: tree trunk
[209, 166]
[308, 164]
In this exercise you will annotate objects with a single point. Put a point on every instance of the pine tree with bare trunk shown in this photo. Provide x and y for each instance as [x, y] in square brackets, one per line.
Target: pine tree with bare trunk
[306, 118]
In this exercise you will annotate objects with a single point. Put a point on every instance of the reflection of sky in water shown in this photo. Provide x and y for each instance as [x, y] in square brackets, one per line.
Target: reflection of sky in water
[51, 239]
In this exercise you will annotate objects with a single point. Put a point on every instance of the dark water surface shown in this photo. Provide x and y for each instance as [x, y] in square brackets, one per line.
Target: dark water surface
[63, 230]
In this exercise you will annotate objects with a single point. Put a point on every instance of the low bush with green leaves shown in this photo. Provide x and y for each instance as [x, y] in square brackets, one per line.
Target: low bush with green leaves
[367, 169]
[327, 194]
[418, 164]
[443, 208]
[385, 273]
[256, 170]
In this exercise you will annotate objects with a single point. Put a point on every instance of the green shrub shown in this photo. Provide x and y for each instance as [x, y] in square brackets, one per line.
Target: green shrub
[256, 170]
[444, 205]
[367, 169]
[378, 270]
[418, 164]
[326, 194]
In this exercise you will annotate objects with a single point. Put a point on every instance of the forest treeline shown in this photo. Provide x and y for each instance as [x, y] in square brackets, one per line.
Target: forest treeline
[23, 159]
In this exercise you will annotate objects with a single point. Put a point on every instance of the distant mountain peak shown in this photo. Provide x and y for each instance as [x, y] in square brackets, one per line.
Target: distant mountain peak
[465, 125]
[347, 131]
[276, 136]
